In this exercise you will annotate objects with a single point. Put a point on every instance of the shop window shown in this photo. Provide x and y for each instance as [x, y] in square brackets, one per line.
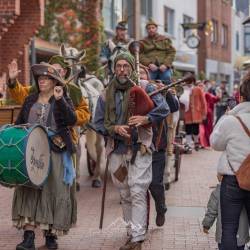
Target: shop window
[169, 20]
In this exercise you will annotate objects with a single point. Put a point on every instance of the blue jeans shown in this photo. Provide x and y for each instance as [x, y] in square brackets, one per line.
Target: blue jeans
[163, 76]
[220, 247]
[232, 198]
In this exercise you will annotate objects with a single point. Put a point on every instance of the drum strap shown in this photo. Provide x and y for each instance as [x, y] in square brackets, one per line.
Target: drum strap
[49, 119]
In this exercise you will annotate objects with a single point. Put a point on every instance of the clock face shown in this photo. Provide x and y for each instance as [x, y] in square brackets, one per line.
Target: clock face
[193, 42]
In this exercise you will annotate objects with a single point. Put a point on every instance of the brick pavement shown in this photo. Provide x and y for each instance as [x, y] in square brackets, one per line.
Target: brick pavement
[186, 201]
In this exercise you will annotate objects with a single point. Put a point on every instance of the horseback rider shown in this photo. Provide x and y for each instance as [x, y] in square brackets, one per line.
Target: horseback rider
[115, 45]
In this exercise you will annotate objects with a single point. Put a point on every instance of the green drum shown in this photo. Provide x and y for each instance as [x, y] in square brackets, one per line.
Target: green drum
[24, 155]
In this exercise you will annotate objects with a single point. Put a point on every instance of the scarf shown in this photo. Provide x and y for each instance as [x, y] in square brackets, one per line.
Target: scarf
[110, 106]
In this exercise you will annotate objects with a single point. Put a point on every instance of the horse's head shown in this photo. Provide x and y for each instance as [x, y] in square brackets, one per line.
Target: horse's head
[119, 48]
[71, 53]
[74, 58]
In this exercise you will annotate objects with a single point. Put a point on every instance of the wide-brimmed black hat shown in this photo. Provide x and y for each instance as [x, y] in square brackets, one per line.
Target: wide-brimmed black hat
[45, 69]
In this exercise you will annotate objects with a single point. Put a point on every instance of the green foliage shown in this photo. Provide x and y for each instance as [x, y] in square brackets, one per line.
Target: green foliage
[77, 24]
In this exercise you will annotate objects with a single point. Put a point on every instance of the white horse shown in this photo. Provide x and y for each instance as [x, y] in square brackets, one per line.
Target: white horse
[91, 88]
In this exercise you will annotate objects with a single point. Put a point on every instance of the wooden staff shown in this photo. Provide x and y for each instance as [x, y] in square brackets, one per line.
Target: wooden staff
[104, 193]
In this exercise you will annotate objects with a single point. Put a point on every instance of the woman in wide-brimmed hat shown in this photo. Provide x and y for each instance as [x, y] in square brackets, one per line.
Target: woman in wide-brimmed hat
[49, 207]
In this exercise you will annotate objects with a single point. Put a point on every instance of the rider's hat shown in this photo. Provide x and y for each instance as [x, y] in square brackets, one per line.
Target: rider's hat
[151, 22]
[123, 25]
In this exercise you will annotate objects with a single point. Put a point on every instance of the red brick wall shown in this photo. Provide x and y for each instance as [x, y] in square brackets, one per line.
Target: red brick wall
[9, 7]
[14, 42]
[221, 12]
[3, 84]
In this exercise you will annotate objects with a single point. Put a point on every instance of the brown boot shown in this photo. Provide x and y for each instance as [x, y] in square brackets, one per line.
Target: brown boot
[132, 246]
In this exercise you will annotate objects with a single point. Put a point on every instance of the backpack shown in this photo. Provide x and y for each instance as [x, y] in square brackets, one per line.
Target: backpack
[243, 173]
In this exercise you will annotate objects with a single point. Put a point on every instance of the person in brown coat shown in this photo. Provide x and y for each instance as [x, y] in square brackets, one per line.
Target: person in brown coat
[196, 112]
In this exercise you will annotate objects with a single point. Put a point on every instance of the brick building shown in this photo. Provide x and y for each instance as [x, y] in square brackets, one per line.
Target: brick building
[214, 53]
[19, 22]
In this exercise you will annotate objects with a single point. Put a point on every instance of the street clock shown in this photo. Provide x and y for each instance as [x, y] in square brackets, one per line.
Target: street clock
[193, 41]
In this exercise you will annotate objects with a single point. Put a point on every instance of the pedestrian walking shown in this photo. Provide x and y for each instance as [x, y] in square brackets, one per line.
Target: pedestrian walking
[213, 214]
[128, 147]
[50, 207]
[230, 135]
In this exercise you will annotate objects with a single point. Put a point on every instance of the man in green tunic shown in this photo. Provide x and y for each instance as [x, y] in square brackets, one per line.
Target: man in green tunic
[158, 54]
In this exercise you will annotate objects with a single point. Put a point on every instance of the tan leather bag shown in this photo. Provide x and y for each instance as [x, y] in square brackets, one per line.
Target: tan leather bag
[121, 173]
[243, 173]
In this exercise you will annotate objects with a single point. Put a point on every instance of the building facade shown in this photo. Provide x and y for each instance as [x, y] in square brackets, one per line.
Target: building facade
[239, 50]
[170, 14]
[214, 52]
[16, 33]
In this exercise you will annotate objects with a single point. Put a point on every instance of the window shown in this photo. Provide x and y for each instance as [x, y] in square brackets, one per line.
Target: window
[214, 35]
[224, 36]
[227, 78]
[169, 20]
[187, 19]
[146, 8]
[247, 40]
[106, 13]
[113, 12]
[146, 14]
[213, 76]
[117, 12]
[237, 40]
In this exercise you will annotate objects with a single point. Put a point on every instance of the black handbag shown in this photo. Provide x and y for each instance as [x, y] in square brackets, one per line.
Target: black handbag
[56, 143]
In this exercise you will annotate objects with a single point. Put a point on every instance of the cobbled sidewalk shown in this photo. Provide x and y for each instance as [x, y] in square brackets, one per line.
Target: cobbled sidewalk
[186, 202]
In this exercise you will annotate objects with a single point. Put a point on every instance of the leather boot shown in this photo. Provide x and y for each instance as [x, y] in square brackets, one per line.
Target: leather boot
[51, 241]
[132, 246]
[197, 146]
[96, 183]
[28, 242]
[160, 219]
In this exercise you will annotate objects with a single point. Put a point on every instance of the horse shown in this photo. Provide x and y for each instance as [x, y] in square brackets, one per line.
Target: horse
[91, 88]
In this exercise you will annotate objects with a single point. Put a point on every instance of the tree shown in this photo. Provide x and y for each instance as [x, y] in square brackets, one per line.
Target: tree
[75, 23]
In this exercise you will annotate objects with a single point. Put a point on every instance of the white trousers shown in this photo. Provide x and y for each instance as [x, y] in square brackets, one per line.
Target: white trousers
[133, 191]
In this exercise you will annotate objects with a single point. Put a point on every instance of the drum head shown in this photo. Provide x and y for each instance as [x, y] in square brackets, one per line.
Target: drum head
[37, 156]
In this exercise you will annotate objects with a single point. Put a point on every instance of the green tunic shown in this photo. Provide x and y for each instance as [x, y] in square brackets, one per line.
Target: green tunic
[157, 50]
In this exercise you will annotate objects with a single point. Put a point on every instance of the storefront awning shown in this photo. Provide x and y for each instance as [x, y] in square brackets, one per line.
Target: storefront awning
[184, 66]
[45, 47]
[241, 62]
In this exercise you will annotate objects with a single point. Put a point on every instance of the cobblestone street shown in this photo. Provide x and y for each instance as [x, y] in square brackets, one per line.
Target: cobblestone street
[186, 202]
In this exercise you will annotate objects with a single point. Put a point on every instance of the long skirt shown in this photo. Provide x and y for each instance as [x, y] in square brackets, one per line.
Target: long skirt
[51, 208]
